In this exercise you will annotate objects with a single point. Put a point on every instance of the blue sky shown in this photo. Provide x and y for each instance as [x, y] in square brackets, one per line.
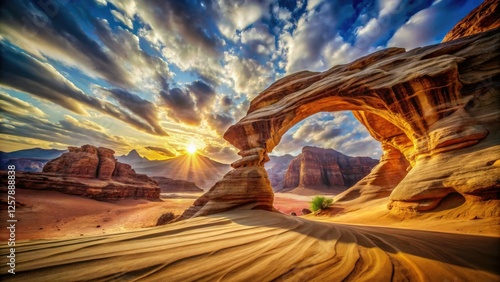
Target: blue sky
[158, 75]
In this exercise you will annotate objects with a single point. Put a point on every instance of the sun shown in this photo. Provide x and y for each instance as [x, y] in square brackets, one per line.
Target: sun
[191, 149]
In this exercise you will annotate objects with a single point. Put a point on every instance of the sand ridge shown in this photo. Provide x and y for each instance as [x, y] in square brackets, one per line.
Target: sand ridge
[244, 245]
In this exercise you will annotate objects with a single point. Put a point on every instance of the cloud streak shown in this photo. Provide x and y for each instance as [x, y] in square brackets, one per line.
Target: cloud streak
[25, 73]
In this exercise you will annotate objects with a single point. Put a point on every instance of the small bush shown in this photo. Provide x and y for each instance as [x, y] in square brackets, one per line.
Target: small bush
[320, 203]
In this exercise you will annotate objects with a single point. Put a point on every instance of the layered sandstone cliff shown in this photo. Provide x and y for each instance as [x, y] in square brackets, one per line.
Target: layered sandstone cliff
[325, 170]
[434, 110]
[90, 172]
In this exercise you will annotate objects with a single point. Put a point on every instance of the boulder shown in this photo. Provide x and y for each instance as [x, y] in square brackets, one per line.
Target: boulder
[165, 218]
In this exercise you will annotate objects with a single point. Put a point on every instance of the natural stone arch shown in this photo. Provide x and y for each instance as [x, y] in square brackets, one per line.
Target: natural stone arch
[433, 100]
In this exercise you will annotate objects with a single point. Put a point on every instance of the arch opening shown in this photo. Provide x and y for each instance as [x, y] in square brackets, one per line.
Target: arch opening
[324, 154]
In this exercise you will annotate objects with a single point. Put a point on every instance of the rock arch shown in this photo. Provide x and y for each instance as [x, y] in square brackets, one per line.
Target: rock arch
[432, 108]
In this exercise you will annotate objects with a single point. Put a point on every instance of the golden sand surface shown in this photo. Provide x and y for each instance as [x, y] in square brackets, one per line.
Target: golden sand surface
[245, 245]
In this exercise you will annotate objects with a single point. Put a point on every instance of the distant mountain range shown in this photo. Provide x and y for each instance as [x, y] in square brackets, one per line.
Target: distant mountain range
[35, 153]
[31, 160]
[201, 170]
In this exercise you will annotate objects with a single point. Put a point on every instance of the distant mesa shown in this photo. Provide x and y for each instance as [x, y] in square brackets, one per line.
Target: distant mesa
[318, 171]
[90, 172]
[169, 185]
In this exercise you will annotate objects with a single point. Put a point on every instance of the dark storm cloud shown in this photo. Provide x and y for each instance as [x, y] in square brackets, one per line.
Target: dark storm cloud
[142, 108]
[227, 101]
[180, 105]
[203, 92]
[53, 29]
[24, 73]
[220, 122]
[161, 151]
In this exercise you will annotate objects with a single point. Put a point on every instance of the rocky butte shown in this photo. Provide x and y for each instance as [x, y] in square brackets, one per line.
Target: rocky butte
[91, 172]
[434, 110]
[318, 170]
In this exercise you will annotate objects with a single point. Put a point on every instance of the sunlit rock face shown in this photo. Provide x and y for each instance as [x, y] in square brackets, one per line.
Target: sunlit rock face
[92, 172]
[434, 109]
[483, 18]
[325, 170]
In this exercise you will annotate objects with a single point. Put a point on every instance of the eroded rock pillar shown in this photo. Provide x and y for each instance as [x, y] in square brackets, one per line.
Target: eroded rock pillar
[246, 186]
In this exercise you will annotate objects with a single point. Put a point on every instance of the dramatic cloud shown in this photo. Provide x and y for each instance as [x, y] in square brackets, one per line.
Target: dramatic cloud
[125, 46]
[180, 104]
[14, 105]
[220, 122]
[122, 18]
[74, 72]
[68, 131]
[161, 151]
[315, 30]
[339, 131]
[142, 108]
[203, 93]
[258, 41]
[25, 73]
[54, 32]
[238, 14]
[248, 76]
[428, 26]
[186, 33]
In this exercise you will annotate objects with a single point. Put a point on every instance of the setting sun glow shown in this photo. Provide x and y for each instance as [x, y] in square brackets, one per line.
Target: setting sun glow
[191, 149]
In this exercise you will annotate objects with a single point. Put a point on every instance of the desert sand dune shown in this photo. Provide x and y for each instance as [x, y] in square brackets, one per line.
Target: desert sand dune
[244, 245]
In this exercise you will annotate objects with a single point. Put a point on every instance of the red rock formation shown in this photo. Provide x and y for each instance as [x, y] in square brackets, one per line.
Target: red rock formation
[103, 190]
[82, 161]
[107, 163]
[92, 172]
[92, 162]
[437, 106]
[326, 170]
[483, 18]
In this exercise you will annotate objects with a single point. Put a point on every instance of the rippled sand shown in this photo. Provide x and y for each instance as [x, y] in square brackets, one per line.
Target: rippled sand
[261, 246]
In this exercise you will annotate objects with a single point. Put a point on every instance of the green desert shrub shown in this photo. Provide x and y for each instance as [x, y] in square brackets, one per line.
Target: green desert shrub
[320, 203]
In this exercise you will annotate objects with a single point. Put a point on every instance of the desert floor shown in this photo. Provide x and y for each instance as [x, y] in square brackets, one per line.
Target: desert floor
[244, 245]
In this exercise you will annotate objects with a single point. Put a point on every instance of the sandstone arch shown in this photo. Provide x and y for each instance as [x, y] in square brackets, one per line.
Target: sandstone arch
[436, 106]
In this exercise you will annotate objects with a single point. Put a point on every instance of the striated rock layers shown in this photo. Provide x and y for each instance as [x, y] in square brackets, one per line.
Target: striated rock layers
[325, 170]
[482, 18]
[434, 109]
[90, 172]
